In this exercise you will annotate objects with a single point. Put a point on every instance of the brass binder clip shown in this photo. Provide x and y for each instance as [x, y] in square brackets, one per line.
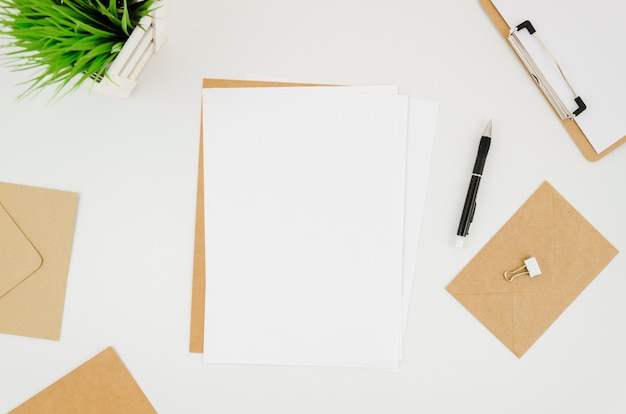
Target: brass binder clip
[531, 268]
[557, 103]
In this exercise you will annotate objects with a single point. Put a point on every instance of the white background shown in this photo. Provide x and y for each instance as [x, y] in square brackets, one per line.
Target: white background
[134, 163]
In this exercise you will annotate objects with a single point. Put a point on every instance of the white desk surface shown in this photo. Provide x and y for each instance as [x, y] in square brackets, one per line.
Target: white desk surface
[134, 163]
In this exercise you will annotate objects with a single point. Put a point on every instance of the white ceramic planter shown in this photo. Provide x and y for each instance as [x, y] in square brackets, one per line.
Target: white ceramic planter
[144, 41]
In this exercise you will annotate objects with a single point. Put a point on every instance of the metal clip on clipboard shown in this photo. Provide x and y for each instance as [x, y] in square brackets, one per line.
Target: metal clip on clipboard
[561, 108]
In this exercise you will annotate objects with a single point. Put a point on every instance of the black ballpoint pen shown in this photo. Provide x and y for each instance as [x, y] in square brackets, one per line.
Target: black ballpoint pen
[470, 199]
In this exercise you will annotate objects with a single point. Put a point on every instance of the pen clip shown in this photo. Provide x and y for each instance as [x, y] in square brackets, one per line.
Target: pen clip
[471, 217]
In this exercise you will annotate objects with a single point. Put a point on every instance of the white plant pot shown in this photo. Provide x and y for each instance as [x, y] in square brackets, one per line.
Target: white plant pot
[145, 40]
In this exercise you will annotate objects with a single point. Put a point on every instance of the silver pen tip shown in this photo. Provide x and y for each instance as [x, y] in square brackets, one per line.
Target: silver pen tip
[487, 132]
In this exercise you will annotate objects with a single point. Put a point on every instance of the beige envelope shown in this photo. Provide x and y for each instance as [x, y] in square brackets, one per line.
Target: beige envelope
[196, 334]
[36, 232]
[101, 385]
[570, 253]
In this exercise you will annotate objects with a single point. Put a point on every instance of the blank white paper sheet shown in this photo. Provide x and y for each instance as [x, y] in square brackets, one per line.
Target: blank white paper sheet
[305, 225]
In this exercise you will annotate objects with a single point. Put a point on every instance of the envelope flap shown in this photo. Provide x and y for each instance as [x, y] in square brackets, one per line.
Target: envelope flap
[529, 232]
[581, 252]
[18, 257]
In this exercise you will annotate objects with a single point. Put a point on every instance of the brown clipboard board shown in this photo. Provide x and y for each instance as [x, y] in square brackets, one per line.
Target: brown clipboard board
[196, 333]
[570, 125]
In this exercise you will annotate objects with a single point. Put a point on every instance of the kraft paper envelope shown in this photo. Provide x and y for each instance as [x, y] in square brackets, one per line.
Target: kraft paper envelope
[101, 385]
[196, 335]
[36, 232]
[570, 253]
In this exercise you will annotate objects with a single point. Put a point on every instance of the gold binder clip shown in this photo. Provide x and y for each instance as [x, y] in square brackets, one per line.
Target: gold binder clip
[531, 268]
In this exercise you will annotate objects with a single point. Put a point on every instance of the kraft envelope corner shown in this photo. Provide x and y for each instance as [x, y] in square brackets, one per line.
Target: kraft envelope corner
[36, 234]
[101, 385]
[570, 253]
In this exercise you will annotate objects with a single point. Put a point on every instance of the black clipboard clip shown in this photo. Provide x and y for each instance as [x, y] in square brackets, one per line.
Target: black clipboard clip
[557, 103]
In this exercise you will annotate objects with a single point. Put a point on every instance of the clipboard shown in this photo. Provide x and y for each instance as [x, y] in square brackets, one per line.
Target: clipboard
[570, 125]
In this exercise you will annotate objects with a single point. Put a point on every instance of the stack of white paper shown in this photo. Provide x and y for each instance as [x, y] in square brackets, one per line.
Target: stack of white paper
[313, 201]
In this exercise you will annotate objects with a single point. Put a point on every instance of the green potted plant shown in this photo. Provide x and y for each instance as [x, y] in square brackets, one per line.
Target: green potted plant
[65, 43]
